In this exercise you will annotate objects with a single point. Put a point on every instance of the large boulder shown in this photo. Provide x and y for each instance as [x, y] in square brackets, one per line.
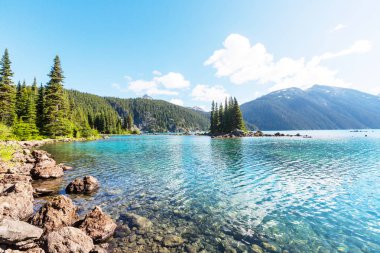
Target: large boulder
[19, 234]
[16, 200]
[59, 212]
[68, 240]
[45, 167]
[98, 225]
[85, 185]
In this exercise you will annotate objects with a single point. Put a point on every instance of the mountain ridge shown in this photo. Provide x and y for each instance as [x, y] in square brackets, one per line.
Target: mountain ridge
[319, 107]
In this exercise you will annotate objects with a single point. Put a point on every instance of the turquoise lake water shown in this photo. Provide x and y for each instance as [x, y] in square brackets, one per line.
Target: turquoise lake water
[301, 195]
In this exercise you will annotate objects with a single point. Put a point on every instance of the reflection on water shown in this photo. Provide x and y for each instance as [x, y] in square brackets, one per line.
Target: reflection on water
[301, 195]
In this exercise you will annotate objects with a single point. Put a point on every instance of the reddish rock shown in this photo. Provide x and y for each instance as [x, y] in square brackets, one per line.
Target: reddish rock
[86, 185]
[59, 212]
[98, 225]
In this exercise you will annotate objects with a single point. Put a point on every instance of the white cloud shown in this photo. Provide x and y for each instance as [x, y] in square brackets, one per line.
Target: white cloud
[176, 101]
[156, 73]
[243, 62]
[207, 93]
[139, 86]
[338, 27]
[158, 85]
[173, 81]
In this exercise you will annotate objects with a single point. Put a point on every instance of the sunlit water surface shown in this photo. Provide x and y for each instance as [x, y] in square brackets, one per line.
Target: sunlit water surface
[301, 195]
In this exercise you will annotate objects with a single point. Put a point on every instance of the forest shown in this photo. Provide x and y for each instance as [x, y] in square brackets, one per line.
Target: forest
[32, 111]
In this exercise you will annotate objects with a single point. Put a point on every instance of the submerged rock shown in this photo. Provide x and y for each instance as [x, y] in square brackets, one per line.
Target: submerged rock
[87, 184]
[59, 212]
[68, 240]
[97, 225]
[139, 222]
[256, 249]
[16, 200]
[172, 241]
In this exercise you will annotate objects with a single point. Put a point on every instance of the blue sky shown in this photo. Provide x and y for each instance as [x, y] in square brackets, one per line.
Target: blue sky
[190, 52]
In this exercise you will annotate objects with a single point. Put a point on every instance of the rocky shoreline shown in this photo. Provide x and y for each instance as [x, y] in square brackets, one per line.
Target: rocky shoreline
[239, 133]
[55, 227]
[26, 225]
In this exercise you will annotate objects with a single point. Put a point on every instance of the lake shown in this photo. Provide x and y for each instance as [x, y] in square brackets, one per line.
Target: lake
[300, 195]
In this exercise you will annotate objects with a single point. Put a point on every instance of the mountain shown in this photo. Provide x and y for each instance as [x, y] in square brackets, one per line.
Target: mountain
[319, 107]
[197, 108]
[147, 97]
[159, 115]
[106, 114]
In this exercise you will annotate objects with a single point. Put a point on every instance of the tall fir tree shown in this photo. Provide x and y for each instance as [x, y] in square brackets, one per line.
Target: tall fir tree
[55, 108]
[212, 118]
[7, 91]
[221, 119]
[40, 108]
[238, 116]
[129, 122]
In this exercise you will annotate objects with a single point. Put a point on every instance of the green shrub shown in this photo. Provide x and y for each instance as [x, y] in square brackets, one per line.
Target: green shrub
[6, 133]
[6, 152]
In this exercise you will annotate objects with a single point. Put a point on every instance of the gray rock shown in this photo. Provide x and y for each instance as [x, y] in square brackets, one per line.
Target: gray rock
[16, 200]
[86, 185]
[68, 240]
[59, 212]
[19, 234]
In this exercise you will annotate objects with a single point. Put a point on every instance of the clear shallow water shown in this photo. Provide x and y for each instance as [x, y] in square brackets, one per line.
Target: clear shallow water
[301, 195]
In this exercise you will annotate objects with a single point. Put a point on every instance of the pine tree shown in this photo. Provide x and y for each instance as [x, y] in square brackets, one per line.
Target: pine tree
[221, 119]
[40, 108]
[212, 118]
[7, 91]
[238, 116]
[35, 88]
[55, 109]
[129, 122]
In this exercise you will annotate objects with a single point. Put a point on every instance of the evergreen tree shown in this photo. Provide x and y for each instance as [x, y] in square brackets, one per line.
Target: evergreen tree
[129, 122]
[35, 88]
[221, 119]
[212, 118]
[55, 108]
[7, 91]
[238, 116]
[40, 108]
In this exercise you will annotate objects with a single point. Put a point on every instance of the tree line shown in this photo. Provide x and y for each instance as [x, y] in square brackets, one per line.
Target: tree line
[33, 112]
[227, 118]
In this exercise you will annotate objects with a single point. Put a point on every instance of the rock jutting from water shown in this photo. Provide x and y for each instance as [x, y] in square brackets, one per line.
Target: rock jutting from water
[97, 225]
[58, 212]
[85, 185]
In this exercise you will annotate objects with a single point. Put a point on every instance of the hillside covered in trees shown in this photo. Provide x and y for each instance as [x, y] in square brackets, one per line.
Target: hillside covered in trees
[32, 111]
[160, 116]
